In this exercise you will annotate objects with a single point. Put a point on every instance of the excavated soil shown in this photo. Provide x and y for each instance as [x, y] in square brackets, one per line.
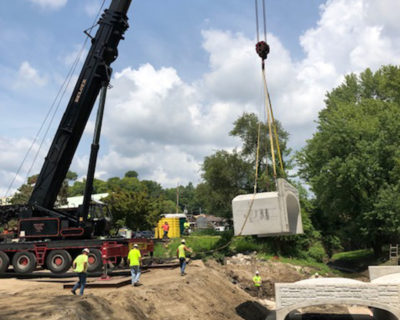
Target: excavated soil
[203, 293]
[212, 291]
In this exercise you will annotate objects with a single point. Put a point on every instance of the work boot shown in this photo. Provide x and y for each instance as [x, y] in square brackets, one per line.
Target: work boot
[73, 292]
[137, 284]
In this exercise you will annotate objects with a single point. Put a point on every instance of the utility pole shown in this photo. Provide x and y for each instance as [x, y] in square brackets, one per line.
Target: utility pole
[177, 198]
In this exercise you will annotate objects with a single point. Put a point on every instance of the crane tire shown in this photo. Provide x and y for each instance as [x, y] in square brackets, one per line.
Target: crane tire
[24, 262]
[95, 262]
[4, 262]
[58, 261]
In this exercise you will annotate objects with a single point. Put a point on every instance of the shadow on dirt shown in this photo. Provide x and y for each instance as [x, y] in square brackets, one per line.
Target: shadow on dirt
[252, 310]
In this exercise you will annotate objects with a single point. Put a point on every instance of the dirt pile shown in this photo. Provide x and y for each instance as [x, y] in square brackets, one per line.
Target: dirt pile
[204, 293]
[240, 270]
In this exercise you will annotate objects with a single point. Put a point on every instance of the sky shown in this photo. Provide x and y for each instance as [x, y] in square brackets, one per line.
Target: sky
[185, 72]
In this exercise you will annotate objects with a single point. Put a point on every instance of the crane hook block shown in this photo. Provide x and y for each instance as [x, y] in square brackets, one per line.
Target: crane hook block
[262, 49]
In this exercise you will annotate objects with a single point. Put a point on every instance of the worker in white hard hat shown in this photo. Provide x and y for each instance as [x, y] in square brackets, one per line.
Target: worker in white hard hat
[135, 261]
[80, 265]
[181, 253]
[257, 283]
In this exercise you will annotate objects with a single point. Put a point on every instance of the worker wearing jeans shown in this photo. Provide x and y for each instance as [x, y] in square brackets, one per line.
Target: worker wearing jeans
[135, 259]
[80, 265]
[182, 255]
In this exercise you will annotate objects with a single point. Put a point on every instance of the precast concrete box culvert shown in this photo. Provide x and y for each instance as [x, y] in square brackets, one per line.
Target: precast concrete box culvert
[269, 213]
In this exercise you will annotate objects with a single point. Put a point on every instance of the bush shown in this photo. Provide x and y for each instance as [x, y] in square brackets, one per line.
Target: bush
[317, 252]
[245, 244]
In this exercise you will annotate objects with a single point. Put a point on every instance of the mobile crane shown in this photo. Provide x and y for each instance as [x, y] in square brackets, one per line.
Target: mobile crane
[50, 237]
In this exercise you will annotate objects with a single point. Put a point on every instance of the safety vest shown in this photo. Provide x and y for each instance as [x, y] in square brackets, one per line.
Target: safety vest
[181, 251]
[80, 263]
[257, 281]
[134, 257]
[186, 225]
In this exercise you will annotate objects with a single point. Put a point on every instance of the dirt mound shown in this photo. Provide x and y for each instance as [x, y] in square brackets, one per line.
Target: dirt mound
[240, 270]
[204, 293]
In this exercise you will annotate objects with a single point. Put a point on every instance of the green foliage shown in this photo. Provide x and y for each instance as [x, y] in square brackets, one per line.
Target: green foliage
[245, 245]
[205, 232]
[24, 192]
[199, 245]
[353, 161]
[317, 252]
[353, 255]
[131, 174]
[228, 174]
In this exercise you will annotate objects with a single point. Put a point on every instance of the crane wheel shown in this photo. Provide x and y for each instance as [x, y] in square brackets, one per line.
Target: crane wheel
[58, 261]
[95, 261]
[24, 262]
[4, 262]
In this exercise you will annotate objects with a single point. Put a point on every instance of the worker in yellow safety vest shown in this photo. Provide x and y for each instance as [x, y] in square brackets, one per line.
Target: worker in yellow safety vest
[135, 261]
[186, 226]
[181, 253]
[257, 283]
[80, 265]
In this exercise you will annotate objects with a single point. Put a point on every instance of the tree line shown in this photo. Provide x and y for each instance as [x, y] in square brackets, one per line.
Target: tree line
[351, 166]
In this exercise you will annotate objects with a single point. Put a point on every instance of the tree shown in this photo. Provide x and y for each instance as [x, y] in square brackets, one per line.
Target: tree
[353, 161]
[228, 174]
[131, 174]
[24, 192]
[136, 210]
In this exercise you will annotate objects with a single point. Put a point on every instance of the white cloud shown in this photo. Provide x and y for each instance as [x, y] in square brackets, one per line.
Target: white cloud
[12, 154]
[161, 126]
[29, 77]
[50, 4]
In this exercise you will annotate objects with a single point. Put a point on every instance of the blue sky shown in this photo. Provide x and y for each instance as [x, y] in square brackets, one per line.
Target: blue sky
[186, 71]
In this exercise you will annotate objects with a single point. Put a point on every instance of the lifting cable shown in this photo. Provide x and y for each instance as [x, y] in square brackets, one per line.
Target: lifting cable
[262, 49]
[56, 103]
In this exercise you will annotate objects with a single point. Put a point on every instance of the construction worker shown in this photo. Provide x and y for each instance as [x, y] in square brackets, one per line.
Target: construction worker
[257, 283]
[166, 229]
[180, 252]
[186, 226]
[80, 265]
[135, 261]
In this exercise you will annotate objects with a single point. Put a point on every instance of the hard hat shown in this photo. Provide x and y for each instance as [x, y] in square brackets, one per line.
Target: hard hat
[257, 272]
[183, 241]
[135, 245]
[86, 250]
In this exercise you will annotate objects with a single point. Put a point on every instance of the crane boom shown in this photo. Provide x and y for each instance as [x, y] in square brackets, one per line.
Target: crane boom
[95, 74]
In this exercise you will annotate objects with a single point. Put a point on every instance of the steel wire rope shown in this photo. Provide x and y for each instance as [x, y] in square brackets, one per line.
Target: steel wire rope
[62, 89]
[257, 150]
[257, 31]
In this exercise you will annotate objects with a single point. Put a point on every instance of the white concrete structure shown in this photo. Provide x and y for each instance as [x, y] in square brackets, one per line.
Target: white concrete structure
[382, 294]
[270, 213]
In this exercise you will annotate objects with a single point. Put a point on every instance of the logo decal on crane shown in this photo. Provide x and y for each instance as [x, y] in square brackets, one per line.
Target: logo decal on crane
[78, 96]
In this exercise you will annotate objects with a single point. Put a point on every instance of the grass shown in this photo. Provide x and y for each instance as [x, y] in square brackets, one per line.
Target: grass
[354, 255]
[203, 246]
[319, 267]
[198, 244]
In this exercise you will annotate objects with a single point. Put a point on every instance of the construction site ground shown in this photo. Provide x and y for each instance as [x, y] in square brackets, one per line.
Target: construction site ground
[208, 291]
